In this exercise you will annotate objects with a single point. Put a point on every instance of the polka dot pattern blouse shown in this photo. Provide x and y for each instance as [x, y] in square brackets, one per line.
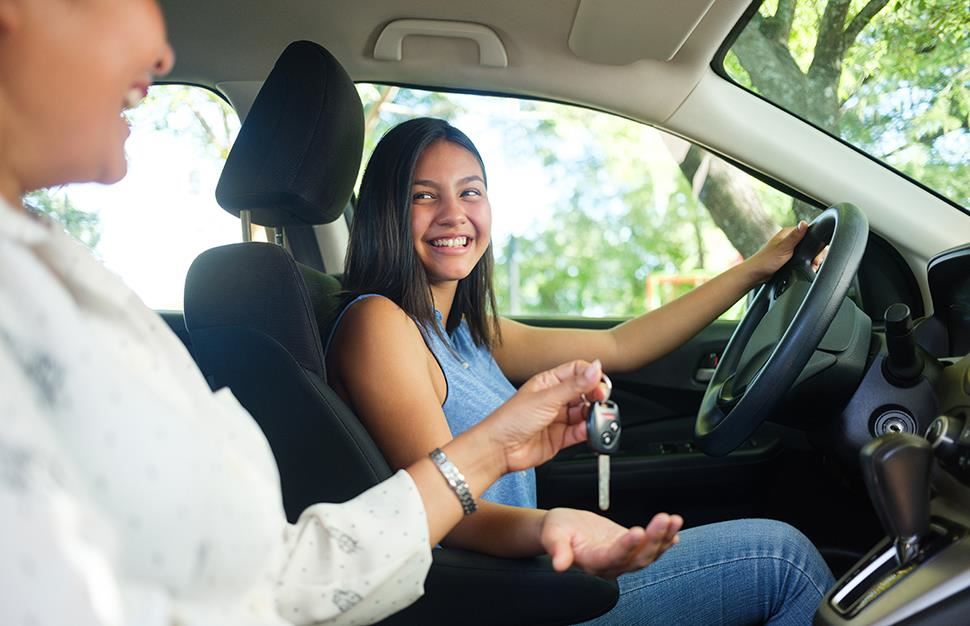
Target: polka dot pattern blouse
[131, 494]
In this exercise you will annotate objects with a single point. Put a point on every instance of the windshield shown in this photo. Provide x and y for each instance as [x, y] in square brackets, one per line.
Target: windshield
[889, 77]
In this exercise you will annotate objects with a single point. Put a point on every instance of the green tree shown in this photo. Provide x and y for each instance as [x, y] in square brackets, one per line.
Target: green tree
[890, 77]
[185, 111]
[611, 227]
[57, 205]
[386, 106]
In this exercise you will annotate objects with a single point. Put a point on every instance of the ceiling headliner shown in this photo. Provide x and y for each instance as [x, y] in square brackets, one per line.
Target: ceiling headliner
[219, 41]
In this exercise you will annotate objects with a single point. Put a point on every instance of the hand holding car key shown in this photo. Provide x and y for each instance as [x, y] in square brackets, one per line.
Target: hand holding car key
[603, 437]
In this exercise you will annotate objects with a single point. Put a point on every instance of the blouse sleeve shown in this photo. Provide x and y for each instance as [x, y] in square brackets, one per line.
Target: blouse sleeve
[55, 566]
[357, 562]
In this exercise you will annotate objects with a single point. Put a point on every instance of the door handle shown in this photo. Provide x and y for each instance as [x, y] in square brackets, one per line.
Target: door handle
[706, 368]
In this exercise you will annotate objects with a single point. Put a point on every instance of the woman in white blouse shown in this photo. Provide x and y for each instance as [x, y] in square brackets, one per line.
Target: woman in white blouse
[130, 493]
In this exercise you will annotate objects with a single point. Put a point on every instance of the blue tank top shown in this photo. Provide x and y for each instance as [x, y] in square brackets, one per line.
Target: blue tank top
[475, 387]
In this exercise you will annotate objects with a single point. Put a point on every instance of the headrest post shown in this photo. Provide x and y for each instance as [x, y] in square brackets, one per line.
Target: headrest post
[279, 236]
[246, 219]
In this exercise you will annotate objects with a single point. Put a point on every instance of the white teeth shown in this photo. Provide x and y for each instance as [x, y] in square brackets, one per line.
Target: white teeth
[456, 242]
[133, 97]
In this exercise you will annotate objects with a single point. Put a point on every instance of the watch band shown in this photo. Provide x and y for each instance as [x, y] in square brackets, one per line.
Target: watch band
[456, 480]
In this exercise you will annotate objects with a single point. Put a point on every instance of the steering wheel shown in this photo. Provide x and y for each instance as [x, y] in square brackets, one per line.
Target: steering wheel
[781, 330]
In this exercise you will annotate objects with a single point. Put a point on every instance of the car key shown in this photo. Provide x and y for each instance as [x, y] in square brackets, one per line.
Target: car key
[603, 438]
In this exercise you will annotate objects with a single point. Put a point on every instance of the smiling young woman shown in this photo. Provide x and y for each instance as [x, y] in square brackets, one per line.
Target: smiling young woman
[422, 356]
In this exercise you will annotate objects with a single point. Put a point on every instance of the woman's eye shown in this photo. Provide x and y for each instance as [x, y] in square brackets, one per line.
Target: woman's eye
[421, 195]
[471, 192]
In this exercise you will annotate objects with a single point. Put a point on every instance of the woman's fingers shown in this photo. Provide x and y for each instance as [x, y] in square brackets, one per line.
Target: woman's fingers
[629, 552]
[619, 553]
[574, 433]
[643, 546]
[569, 383]
[561, 550]
[655, 543]
[582, 373]
[676, 523]
[820, 258]
[791, 236]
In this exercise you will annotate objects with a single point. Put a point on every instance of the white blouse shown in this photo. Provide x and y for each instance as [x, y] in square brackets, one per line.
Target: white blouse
[132, 494]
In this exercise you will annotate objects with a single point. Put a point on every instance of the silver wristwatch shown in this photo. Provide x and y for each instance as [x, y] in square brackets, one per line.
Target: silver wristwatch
[456, 480]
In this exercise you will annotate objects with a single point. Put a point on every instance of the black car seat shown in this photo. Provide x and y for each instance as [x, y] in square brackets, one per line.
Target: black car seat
[254, 328]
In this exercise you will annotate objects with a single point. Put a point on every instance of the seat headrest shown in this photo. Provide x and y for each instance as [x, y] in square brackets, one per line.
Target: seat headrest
[298, 152]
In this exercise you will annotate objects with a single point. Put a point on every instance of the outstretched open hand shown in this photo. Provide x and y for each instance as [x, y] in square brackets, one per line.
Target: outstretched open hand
[603, 547]
[546, 415]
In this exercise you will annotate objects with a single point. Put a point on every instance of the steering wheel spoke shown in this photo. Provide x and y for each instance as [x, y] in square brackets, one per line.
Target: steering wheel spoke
[790, 275]
[803, 271]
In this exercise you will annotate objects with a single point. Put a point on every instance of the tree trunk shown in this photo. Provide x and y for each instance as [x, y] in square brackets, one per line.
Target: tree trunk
[762, 50]
[729, 199]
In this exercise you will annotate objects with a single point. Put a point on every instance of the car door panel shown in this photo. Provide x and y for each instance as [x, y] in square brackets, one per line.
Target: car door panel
[657, 467]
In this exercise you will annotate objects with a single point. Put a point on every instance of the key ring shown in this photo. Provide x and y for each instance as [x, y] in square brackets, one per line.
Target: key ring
[609, 389]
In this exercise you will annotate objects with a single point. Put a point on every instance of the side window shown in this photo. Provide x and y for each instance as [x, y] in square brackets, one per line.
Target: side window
[149, 227]
[594, 215]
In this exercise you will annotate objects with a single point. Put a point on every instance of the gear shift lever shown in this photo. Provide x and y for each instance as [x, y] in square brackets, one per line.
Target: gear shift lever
[896, 469]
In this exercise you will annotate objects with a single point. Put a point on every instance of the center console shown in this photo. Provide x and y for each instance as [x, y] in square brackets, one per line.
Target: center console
[920, 573]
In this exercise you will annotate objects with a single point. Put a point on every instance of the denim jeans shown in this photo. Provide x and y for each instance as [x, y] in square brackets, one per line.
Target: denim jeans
[738, 572]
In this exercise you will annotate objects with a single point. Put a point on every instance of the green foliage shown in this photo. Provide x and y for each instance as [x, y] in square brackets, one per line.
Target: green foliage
[56, 204]
[606, 233]
[184, 111]
[902, 82]
[386, 106]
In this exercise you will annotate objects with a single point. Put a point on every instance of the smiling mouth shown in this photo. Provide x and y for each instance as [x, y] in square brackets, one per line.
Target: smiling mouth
[453, 242]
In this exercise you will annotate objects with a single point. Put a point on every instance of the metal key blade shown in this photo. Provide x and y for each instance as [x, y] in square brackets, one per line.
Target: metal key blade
[603, 476]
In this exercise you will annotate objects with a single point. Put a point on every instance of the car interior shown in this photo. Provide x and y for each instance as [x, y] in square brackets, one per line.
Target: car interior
[839, 402]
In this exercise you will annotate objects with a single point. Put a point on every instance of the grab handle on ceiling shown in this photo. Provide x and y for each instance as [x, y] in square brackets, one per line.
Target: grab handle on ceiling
[491, 51]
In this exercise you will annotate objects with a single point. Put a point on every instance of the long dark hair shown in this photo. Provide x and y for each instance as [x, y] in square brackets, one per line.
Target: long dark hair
[381, 257]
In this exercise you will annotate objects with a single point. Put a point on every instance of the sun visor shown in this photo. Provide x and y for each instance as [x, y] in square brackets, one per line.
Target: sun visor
[621, 32]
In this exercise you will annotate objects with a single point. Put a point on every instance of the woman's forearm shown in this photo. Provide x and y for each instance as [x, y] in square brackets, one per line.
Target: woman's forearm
[655, 334]
[493, 529]
[526, 350]
[500, 530]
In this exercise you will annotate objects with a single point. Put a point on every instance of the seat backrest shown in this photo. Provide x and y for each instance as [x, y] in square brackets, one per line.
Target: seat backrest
[253, 329]
[250, 316]
[327, 297]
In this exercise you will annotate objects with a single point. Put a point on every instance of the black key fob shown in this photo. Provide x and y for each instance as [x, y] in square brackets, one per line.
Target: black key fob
[603, 427]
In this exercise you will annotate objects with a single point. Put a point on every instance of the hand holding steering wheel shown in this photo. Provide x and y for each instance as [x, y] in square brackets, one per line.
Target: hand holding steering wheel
[796, 305]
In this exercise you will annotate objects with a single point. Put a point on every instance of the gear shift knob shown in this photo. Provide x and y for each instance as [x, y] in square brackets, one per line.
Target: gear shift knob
[896, 469]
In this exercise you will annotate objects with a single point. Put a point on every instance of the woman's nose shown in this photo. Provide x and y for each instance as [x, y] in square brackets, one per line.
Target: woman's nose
[450, 212]
[165, 61]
